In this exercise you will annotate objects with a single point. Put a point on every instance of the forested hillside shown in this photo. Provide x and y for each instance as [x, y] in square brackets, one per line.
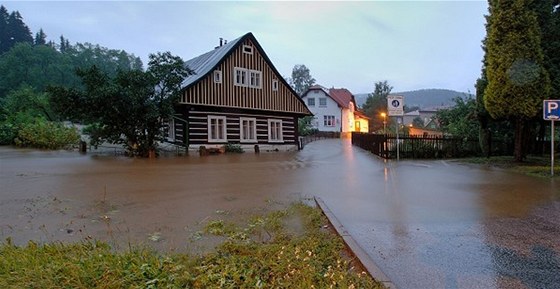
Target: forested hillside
[37, 62]
[423, 98]
[29, 65]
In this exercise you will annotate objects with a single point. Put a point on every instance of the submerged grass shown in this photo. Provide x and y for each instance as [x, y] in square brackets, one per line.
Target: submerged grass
[265, 252]
[532, 165]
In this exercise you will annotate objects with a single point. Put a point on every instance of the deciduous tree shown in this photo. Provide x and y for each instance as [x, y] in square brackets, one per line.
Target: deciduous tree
[127, 109]
[376, 103]
[301, 79]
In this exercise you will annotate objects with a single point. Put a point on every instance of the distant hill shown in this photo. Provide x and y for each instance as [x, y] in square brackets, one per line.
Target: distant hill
[423, 98]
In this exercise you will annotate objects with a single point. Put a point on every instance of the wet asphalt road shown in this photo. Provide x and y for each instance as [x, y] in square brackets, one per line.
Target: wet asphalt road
[427, 224]
[441, 224]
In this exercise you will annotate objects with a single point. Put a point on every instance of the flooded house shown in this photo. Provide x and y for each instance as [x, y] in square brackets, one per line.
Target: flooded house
[236, 96]
[335, 110]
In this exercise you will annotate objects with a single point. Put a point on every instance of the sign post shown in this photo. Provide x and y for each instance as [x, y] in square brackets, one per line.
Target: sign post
[551, 111]
[395, 107]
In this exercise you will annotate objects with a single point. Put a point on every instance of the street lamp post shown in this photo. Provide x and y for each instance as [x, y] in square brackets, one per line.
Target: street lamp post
[384, 115]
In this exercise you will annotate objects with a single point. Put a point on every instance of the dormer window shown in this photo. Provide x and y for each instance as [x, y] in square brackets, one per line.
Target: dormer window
[247, 49]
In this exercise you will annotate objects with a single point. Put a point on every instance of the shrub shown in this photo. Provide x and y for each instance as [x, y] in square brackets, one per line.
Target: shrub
[46, 135]
[233, 148]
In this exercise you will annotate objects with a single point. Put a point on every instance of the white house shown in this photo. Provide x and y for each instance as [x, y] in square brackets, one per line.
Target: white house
[334, 110]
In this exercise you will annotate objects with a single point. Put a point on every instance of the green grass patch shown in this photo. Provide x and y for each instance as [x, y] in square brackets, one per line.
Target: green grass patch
[532, 165]
[270, 251]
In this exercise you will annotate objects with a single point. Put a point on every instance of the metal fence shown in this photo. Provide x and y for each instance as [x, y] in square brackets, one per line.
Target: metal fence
[304, 140]
[416, 146]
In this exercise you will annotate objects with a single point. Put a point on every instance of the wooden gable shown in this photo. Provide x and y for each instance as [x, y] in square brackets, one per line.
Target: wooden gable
[216, 84]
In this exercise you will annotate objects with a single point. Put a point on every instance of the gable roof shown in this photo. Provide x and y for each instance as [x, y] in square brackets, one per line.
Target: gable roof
[341, 96]
[204, 65]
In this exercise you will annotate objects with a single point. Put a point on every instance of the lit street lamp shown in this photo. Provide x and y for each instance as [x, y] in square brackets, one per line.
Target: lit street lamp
[384, 115]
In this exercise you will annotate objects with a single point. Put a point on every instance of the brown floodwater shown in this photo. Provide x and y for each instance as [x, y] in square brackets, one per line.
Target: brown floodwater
[64, 196]
[428, 224]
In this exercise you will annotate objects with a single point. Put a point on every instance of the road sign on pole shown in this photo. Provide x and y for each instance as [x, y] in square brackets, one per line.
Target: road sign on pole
[551, 111]
[395, 105]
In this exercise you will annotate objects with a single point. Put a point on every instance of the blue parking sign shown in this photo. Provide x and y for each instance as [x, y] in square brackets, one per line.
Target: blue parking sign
[551, 109]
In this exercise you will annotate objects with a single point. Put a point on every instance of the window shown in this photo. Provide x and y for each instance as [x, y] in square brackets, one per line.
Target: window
[248, 129]
[275, 130]
[255, 79]
[322, 101]
[247, 49]
[171, 129]
[247, 77]
[311, 101]
[240, 76]
[217, 76]
[328, 120]
[274, 85]
[217, 128]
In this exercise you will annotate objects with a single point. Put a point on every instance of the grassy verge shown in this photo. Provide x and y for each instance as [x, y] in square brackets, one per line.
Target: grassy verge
[533, 166]
[284, 249]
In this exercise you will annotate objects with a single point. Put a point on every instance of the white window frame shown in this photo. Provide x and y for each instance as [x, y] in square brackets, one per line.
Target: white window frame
[322, 99]
[217, 76]
[171, 129]
[247, 77]
[252, 130]
[218, 138]
[240, 76]
[248, 49]
[275, 131]
[329, 121]
[255, 78]
[274, 85]
[311, 101]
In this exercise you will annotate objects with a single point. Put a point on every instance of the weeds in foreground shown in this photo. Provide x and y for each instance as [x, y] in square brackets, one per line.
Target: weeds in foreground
[266, 252]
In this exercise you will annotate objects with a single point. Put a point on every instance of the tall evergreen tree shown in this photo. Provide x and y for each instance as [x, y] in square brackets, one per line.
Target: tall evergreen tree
[517, 79]
[18, 30]
[4, 37]
[40, 38]
[64, 44]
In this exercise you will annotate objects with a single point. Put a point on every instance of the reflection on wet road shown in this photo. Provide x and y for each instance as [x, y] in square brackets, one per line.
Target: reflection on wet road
[428, 224]
[439, 224]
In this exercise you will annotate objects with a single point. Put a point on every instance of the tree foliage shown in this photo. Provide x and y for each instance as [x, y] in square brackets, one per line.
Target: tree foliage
[301, 79]
[376, 103]
[40, 38]
[460, 120]
[24, 112]
[517, 78]
[129, 108]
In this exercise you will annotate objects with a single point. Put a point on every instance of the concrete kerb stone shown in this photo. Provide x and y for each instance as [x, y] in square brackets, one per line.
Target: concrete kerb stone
[373, 270]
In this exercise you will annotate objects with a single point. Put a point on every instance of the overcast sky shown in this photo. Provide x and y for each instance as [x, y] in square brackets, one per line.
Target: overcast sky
[412, 44]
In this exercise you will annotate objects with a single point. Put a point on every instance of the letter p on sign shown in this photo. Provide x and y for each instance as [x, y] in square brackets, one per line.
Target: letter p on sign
[551, 109]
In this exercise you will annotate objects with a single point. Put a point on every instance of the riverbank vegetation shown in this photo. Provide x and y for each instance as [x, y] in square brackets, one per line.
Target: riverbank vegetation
[291, 248]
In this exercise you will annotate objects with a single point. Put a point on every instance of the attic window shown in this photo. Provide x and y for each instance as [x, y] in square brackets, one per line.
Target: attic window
[247, 49]
[217, 76]
[274, 85]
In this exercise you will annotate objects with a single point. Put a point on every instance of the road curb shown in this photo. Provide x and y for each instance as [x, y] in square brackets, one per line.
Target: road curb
[366, 261]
